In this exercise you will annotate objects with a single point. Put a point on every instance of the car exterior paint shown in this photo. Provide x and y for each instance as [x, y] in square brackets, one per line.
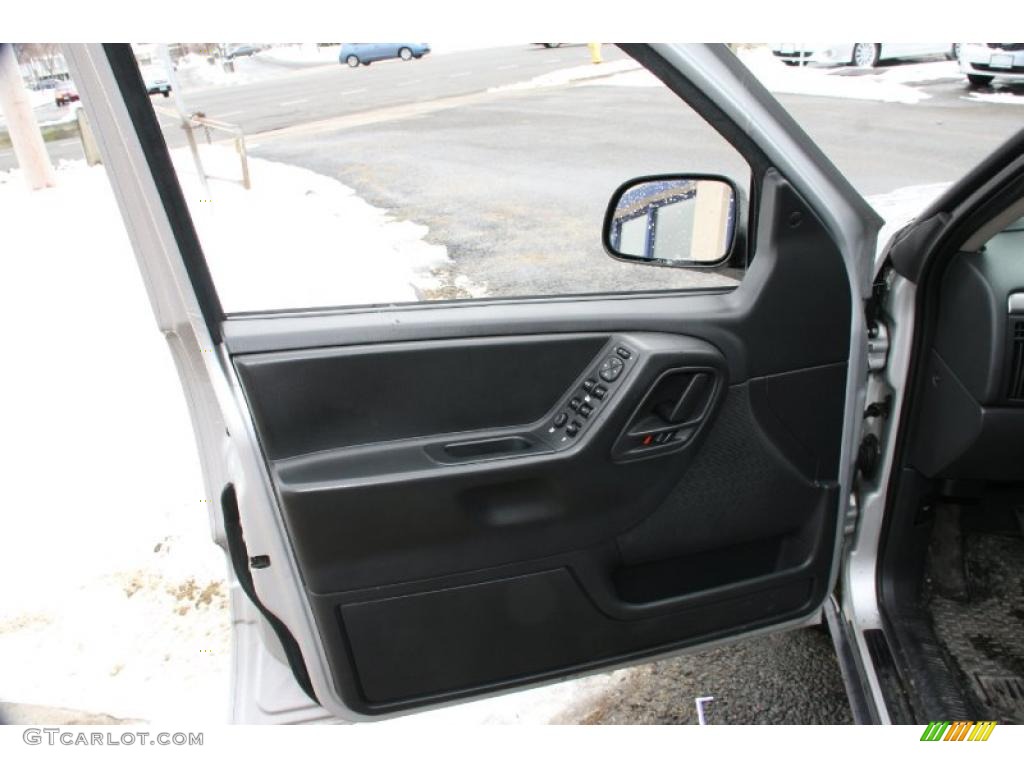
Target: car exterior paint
[367, 53]
[1004, 61]
[842, 53]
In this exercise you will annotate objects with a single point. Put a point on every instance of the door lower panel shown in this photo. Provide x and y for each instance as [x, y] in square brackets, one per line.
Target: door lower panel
[522, 626]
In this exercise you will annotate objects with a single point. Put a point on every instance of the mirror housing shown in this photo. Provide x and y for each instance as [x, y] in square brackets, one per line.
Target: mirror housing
[678, 220]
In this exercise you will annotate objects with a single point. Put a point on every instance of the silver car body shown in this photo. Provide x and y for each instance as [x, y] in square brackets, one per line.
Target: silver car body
[1002, 60]
[842, 53]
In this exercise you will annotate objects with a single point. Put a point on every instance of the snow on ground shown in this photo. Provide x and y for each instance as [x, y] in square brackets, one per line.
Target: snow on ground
[999, 97]
[299, 239]
[194, 72]
[113, 594]
[572, 75]
[890, 84]
[900, 206]
[302, 53]
[898, 83]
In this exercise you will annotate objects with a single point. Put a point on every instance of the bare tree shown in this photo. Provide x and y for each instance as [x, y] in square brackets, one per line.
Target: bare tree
[43, 58]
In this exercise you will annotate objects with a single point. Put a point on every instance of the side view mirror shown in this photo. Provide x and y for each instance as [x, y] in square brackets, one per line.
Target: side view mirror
[674, 221]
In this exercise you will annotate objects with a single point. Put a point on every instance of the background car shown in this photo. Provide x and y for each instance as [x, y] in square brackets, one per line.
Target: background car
[241, 50]
[857, 54]
[65, 93]
[983, 62]
[156, 82]
[47, 84]
[355, 54]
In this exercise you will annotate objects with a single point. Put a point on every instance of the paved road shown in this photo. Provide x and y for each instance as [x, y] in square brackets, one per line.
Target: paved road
[297, 94]
[559, 153]
[787, 679]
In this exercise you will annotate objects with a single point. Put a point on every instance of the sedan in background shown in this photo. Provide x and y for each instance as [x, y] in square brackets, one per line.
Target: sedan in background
[241, 50]
[65, 93]
[857, 54]
[983, 62]
[156, 82]
[355, 54]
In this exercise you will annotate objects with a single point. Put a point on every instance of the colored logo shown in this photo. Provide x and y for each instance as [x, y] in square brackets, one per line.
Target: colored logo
[961, 730]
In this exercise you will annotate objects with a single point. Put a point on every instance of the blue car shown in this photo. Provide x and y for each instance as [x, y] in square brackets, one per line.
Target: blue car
[355, 54]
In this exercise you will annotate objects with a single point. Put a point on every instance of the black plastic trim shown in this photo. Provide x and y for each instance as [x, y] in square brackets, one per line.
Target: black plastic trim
[675, 264]
[239, 555]
[147, 129]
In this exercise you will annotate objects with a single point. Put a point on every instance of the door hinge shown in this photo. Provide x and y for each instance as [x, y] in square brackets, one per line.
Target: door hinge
[852, 513]
[878, 346]
[878, 334]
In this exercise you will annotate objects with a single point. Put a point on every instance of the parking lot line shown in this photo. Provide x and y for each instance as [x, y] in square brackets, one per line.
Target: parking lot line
[410, 82]
[350, 93]
[460, 74]
[509, 66]
[232, 113]
[293, 102]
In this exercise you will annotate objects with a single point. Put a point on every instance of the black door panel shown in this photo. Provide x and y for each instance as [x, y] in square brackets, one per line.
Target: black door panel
[414, 647]
[403, 509]
[480, 495]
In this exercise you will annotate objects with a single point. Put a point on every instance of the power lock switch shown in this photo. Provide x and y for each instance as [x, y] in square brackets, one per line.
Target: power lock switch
[561, 418]
[624, 353]
[573, 429]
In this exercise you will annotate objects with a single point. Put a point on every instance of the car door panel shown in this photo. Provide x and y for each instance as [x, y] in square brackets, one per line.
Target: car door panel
[433, 503]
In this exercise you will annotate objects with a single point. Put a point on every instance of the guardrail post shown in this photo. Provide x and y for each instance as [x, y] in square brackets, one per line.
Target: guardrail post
[240, 147]
[92, 151]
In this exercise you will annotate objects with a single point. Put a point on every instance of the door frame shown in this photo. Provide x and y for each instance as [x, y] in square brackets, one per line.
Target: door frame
[710, 78]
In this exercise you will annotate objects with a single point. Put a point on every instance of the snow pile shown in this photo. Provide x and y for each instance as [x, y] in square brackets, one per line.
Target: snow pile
[194, 72]
[114, 593]
[571, 75]
[42, 97]
[890, 84]
[998, 97]
[901, 206]
[299, 239]
[303, 53]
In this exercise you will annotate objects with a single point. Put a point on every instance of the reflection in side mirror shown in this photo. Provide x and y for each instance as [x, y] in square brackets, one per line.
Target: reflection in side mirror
[678, 220]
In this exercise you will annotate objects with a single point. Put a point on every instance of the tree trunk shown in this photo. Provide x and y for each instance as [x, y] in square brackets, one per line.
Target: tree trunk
[26, 138]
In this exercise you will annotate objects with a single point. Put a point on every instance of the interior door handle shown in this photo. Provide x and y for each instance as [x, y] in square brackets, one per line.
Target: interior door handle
[690, 403]
[670, 414]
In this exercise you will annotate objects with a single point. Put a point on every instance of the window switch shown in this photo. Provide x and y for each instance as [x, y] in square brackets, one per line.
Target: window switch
[599, 391]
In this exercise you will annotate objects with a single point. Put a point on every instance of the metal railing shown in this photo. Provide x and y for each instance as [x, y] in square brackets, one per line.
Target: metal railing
[198, 120]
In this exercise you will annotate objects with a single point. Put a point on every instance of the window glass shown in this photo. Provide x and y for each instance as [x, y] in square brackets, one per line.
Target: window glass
[382, 174]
